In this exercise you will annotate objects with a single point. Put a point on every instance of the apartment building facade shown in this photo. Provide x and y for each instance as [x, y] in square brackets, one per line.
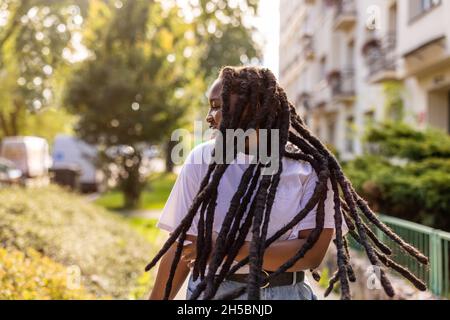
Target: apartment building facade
[340, 59]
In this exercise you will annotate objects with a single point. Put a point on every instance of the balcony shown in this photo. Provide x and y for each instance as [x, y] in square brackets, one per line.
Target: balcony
[342, 85]
[345, 15]
[381, 59]
[431, 54]
[321, 96]
[308, 52]
[304, 99]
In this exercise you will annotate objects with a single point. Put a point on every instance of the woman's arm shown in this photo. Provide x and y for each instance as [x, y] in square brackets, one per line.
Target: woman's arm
[279, 252]
[162, 276]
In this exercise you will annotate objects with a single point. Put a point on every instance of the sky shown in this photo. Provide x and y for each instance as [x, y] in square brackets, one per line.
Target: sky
[268, 24]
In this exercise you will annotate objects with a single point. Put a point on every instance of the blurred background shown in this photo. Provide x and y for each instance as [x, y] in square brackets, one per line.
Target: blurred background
[91, 90]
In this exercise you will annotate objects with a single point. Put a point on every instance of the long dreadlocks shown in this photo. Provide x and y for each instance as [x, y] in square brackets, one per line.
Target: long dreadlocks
[259, 92]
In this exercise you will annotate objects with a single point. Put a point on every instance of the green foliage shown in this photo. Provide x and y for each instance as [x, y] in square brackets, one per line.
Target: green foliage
[394, 106]
[396, 139]
[110, 253]
[224, 35]
[49, 123]
[29, 275]
[409, 177]
[146, 227]
[140, 80]
[149, 64]
[324, 277]
[134, 80]
[35, 45]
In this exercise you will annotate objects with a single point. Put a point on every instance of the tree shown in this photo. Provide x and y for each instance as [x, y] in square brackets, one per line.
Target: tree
[35, 42]
[136, 84]
[224, 37]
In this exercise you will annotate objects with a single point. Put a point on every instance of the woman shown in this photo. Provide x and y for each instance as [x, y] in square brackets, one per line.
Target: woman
[247, 235]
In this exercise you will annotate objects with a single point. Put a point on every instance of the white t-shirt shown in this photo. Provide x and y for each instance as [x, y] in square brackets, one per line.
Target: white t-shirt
[297, 183]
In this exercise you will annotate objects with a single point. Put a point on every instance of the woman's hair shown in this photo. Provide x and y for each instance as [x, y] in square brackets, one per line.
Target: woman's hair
[257, 89]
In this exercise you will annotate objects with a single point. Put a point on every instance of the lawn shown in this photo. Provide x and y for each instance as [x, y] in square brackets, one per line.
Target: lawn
[153, 198]
[146, 227]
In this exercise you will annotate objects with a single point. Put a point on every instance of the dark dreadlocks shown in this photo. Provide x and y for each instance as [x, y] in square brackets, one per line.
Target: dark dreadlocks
[258, 90]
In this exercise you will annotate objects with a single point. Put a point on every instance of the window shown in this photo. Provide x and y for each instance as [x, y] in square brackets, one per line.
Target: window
[331, 132]
[350, 55]
[393, 19]
[426, 5]
[350, 122]
[323, 68]
[369, 118]
[419, 7]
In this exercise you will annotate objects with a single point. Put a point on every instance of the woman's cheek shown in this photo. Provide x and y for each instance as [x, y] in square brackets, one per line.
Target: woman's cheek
[218, 117]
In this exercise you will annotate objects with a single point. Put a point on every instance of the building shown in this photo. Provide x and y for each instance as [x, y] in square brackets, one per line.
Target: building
[343, 62]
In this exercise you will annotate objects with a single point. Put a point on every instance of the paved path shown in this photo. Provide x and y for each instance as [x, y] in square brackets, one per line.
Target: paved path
[148, 214]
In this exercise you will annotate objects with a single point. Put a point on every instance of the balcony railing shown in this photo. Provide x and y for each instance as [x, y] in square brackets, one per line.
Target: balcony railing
[382, 60]
[307, 47]
[345, 15]
[342, 84]
[304, 99]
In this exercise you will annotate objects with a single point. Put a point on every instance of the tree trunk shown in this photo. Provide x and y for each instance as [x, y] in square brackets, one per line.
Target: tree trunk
[169, 145]
[4, 125]
[11, 122]
[132, 186]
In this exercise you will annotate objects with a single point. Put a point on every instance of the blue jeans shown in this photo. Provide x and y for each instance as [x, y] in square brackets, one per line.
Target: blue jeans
[299, 291]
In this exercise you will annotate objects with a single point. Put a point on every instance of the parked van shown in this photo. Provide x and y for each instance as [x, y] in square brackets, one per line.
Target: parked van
[71, 152]
[29, 154]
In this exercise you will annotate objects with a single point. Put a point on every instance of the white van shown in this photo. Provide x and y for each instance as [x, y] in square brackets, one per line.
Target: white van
[29, 154]
[71, 152]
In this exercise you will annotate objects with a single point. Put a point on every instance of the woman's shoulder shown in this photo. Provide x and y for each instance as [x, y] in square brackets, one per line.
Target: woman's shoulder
[201, 153]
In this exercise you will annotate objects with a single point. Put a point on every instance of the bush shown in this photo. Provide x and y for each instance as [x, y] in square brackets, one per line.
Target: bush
[110, 253]
[30, 275]
[396, 139]
[416, 185]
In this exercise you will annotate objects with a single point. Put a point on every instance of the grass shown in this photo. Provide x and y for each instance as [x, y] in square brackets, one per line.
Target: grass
[146, 227]
[153, 197]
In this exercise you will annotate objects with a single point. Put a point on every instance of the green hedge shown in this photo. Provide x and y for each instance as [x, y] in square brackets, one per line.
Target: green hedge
[406, 174]
[65, 227]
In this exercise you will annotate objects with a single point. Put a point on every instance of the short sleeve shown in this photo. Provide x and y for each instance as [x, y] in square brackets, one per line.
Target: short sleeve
[182, 195]
[309, 222]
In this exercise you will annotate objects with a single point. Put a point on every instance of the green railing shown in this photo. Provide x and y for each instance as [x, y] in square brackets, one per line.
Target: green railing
[432, 242]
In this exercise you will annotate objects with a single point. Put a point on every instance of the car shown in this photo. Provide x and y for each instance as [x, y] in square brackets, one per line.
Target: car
[9, 174]
[73, 157]
[29, 154]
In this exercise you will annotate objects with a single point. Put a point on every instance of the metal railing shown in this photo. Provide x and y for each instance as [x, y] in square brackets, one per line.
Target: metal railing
[344, 84]
[383, 58]
[345, 8]
[431, 242]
